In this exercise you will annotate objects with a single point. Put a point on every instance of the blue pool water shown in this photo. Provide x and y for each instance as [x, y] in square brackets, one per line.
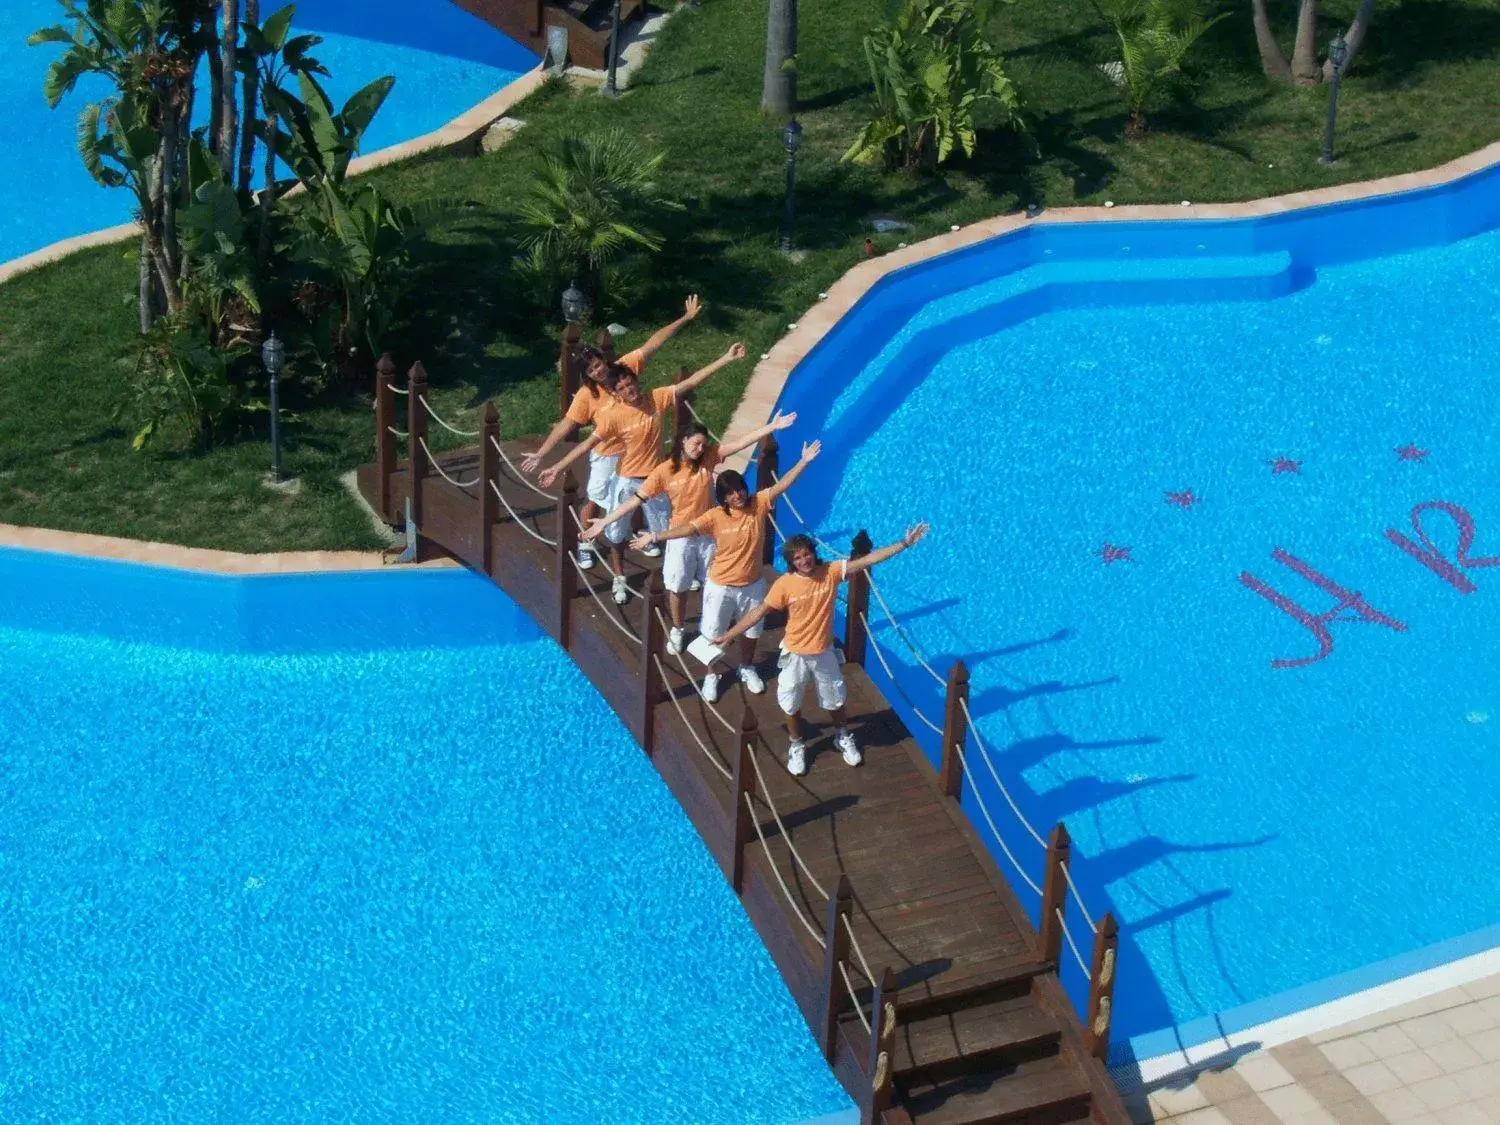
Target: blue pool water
[1268, 837]
[444, 60]
[254, 867]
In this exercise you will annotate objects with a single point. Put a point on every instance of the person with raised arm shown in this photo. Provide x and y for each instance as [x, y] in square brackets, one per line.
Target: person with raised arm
[635, 420]
[735, 586]
[687, 478]
[808, 592]
[591, 397]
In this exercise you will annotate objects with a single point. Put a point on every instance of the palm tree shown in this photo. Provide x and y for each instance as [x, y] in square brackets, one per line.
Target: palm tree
[591, 199]
[1154, 36]
[229, 133]
[1304, 68]
[779, 87]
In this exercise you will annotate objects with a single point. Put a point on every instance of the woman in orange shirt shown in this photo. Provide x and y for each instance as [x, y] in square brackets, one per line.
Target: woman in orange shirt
[807, 592]
[738, 528]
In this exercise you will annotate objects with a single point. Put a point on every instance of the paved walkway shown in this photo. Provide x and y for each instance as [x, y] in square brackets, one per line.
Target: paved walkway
[1434, 1061]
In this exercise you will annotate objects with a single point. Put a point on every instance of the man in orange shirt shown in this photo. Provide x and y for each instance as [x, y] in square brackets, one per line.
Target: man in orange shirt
[738, 528]
[592, 397]
[687, 478]
[808, 592]
[633, 420]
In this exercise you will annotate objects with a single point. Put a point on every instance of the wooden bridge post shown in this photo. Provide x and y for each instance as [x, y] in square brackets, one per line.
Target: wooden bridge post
[955, 731]
[835, 953]
[567, 543]
[766, 467]
[385, 440]
[882, 1048]
[680, 412]
[416, 427]
[605, 342]
[567, 370]
[653, 637]
[744, 786]
[1055, 893]
[858, 605]
[489, 475]
[1102, 986]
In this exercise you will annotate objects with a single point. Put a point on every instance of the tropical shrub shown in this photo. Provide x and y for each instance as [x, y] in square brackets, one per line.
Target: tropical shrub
[933, 71]
[1154, 37]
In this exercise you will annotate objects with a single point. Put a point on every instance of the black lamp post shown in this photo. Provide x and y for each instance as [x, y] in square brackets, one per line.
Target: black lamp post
[1338, 55]
[575, 303]
[791, 137]
[610, 90]
[273, 358]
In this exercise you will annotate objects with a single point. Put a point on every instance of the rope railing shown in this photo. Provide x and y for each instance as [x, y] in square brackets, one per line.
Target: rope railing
[864, 965]
[681, 714]
[395, 390]
[1078, 898]
[529, 530]
[433, 461]
[984, 752]
[522, 477]
[402, 434]
[584, 579]
[853, 996]
[895, 683]
[764, 793]
[692, 679]
[1073, 945]
[438, 418]
[994, 831]
[902, 633]
[796, 909]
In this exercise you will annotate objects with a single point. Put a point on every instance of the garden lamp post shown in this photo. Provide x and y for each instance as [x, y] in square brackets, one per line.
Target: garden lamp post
[574, 303]
[1338, 55]
[273, 358]
[791, 137]
[610, 90]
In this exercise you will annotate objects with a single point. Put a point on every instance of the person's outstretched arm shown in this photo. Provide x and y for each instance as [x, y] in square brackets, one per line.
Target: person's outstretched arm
[594, 528]
[565, 427]
[912, 537]
[810, 451]
[699, 377]
[644, 539]
[732, 446]
[549, 476]
[690, 310]
[749, 621]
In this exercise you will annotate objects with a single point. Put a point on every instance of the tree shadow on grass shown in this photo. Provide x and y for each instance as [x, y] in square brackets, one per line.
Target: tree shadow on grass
[1408, 39]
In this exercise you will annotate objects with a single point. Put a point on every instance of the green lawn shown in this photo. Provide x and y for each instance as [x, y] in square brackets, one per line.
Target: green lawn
[1426, 90]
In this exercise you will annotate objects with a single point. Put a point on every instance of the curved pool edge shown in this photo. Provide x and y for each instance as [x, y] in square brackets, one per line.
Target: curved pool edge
[771, 374]
[462, 131]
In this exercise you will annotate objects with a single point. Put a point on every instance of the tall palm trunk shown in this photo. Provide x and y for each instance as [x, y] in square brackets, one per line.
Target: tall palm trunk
[779, 87]
[267, 193]
[1305, 68]
[146, 286]
[229, 36]
[249, 101]
[167, 161]
[215, 92]
[1272, 61]
[1355, 36]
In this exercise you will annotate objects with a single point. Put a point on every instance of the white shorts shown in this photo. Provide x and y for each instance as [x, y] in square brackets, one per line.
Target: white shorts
[686, 562]
[658, 509]
[601, 477]
[724, 605]
[823, 670]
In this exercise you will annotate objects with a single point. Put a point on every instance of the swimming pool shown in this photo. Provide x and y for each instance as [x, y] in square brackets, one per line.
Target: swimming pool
[445, 61]
[344, 847]
[1156, 457]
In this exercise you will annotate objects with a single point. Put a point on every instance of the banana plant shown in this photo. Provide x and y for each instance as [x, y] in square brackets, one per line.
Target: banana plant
[1154, 37]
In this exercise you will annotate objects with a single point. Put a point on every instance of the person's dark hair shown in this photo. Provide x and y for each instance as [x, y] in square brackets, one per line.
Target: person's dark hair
[618, 371]
[729, 481]
[693, 428]
[586, 356]
[799, 543]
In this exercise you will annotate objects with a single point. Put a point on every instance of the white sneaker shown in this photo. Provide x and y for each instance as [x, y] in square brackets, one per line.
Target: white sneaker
[651, 550]
[847, 746]
[621, 590]
[696, 586]
[586, 557]
[711, 687]
[796, 758]
[751, 679]
[674, 641]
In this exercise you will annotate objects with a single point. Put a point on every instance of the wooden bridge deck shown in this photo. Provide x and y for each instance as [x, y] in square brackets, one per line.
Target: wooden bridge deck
[986, 1032]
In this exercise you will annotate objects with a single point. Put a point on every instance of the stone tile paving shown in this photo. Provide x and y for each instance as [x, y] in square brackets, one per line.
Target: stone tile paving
[1434, 1061]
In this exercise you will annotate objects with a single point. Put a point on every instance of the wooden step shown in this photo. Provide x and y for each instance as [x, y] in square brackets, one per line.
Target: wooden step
[1014, 980]
[974, 1040]
[1044, 1091]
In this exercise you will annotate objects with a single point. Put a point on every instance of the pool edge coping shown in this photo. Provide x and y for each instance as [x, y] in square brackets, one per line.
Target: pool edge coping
[770, 376]
[460, 131]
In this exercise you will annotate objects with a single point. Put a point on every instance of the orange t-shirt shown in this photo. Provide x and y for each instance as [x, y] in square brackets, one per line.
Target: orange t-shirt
[690, 490]
[582, 411]
[638, 427]
[739, 538]
[809, 602]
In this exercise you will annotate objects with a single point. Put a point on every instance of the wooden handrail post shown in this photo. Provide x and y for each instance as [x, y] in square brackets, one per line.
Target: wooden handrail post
[567, 370]
[680, 412]
[489, 471]
[835, 953]
[766, 467]
[653, 644]
[385, 440]
[955, 731]
[858, 604]
[744, 786]
[1055, 892]
[416, 428]
[605, 342]
[1102, 986]
[567, 543]
[882, 1048]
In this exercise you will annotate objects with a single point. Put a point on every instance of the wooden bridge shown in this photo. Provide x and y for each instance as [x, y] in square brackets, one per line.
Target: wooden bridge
[931, 995]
